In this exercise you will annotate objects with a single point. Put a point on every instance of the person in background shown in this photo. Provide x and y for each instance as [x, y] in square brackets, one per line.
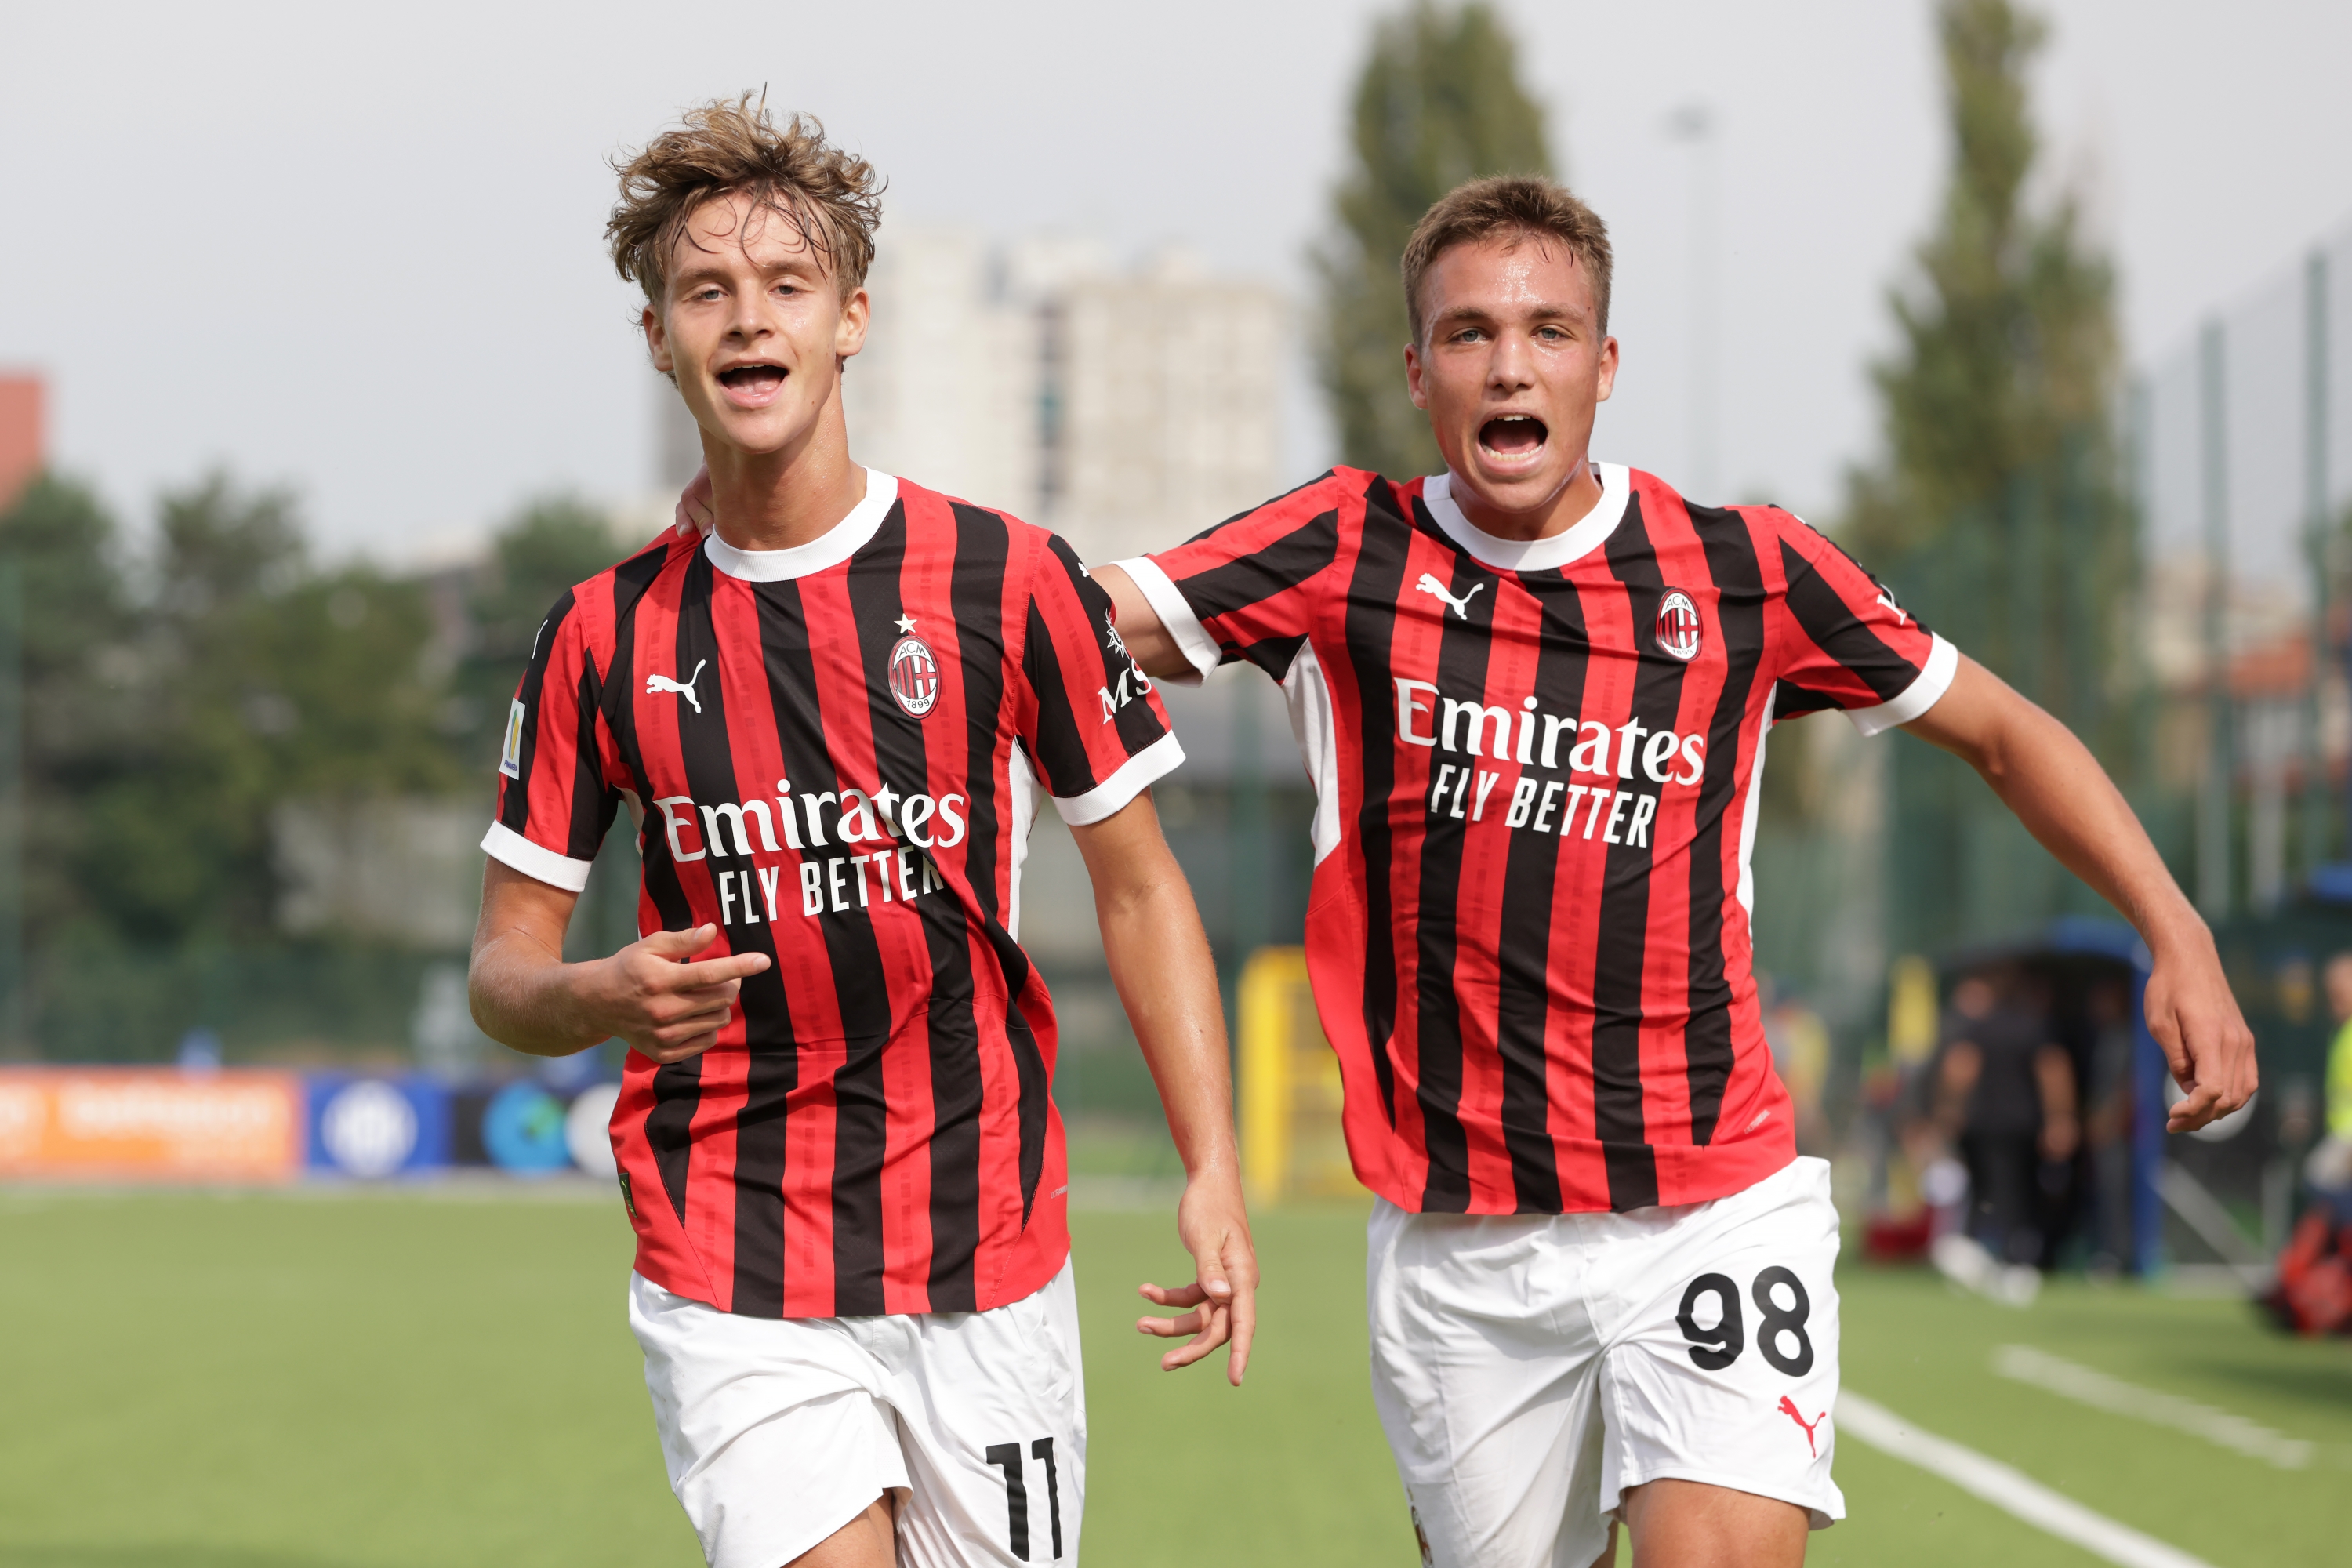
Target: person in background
[2107, 1125]
[2328, 1168]
[2005, 1092]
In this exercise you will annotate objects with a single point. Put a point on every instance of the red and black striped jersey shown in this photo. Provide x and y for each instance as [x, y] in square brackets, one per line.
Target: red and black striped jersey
[833, 753]
[1536, 767]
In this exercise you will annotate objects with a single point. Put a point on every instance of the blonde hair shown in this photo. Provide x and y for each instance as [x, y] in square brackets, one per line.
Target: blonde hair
[831, 198]
[1517, 206]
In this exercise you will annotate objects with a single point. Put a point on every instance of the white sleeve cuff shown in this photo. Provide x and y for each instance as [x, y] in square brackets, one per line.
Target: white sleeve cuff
[504, 844]
[1135, 776]
[1192, 639]
[1923, 693]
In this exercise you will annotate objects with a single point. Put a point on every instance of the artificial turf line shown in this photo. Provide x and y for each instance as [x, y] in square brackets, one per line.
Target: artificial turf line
[2084, 1386]
[2006, 1489]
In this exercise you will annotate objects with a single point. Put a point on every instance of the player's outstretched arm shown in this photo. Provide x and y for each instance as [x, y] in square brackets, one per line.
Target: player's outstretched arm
[2065, 799]
[1160, 961]
[526, 996]
[1140, 626]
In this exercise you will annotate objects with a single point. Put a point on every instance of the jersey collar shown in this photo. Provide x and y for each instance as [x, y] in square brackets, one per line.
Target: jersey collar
[1530, 555]
[831, 548]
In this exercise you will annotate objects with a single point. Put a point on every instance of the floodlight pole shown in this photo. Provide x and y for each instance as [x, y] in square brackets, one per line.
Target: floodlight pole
[2315, 532]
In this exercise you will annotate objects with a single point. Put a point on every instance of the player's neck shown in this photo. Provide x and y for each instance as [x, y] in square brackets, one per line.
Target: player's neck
[792, 496]
[1556, 513]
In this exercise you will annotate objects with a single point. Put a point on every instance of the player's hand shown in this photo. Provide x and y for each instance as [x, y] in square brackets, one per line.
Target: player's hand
[2193, 1014]
[1223, 1297]
[694, 516]
[649, 994]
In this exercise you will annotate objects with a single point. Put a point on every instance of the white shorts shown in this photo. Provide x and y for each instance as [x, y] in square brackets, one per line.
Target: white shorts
[1529, 1369]
[777, 1432]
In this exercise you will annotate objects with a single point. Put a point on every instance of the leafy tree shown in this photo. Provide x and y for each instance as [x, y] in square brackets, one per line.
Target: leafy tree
[548, 546]
[1998, 485]
[1439, 102]
[78, 667]
[1996, 513]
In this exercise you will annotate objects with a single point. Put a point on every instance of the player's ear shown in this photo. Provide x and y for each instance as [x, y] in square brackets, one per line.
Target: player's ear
[1605, 380]
[1412, 386]
[656, 339]
[849, 334]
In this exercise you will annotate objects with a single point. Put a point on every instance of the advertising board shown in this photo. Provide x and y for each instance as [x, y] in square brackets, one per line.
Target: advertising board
[150, 1124]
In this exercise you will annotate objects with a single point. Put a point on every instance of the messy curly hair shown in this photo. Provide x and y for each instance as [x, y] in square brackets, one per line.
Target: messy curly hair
[832, 199]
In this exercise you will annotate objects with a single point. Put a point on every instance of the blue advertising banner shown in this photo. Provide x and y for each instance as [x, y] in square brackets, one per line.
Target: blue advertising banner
[373, 1127]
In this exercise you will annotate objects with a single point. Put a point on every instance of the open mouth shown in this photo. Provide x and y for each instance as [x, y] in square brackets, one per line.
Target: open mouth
[1514, 437]
[752, 385]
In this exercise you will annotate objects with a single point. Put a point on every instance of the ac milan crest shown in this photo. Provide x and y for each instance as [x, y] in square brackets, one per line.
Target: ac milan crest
[914, 676]
[1678, 625]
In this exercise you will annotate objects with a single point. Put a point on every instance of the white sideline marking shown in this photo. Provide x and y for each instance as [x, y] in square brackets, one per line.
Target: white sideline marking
[2006, 1489]
[2052, 1374]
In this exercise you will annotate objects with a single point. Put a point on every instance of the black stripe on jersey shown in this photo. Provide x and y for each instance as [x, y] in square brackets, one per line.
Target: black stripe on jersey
[1250, 512]
[1137, 725]
[1375, 584]
[1624, 923]
[1790, 700]
[677, 1086]
[1740, 602]
[704, 748]
[593, 800]
[1838, 632]
[984, 544]
[1463, 650]
[861, 1113]
[1531, 888]
[515, 811]
[853, 958]
[1276, 568]
[901, 761]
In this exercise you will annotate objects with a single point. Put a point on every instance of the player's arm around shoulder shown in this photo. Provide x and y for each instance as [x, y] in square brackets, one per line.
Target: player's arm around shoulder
[2065, 799]
[1160, 961]
[649, 993]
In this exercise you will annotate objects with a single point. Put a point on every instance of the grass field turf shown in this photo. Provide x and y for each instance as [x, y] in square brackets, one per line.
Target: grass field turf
[306, 1382]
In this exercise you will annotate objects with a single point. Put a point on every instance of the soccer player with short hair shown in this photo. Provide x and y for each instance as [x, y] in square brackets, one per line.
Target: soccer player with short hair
[1532, 693]
[831, 721]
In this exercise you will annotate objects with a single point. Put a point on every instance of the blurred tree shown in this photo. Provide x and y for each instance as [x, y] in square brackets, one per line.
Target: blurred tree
[1439, 102]
[256, 681]
[548, 546]
[78, 672]
[1996, 513]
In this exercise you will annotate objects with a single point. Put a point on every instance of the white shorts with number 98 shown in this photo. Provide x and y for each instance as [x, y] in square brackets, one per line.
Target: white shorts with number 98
[1530, 1369]
[777, 1432]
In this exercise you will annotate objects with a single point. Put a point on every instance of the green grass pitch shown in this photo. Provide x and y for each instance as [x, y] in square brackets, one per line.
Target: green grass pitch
[348, 1381]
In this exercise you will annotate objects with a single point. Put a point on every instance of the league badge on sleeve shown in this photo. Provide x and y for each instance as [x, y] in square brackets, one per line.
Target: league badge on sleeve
[1678, 625]
[914, 672]
[510, 756]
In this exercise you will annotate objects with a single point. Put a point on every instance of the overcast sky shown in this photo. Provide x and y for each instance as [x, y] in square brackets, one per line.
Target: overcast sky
[361, 255]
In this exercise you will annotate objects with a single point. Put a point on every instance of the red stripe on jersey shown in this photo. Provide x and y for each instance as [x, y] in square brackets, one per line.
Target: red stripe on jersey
[873, 1130]
[1528, 941]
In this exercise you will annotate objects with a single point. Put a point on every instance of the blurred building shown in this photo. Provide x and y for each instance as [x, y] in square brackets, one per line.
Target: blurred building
[1125, 409]
[23, 439]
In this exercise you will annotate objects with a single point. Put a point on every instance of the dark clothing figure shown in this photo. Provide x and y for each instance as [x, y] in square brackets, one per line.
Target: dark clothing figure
[2006, 1096]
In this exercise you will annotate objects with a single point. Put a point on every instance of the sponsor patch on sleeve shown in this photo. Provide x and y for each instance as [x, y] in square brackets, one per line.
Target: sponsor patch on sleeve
[510, 758]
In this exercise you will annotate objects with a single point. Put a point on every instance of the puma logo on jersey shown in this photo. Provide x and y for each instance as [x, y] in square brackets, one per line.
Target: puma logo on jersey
[1788, 1409]
[657, 684]
[1428, 584]
[1887, 597]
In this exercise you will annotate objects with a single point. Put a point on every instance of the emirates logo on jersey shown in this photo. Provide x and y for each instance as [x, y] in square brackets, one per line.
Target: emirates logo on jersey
[1678, 625]
[915, 675]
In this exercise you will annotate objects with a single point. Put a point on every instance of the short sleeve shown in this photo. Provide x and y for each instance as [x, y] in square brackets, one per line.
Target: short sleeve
[1094, 726]
[1245, 589]
[555, 801]
[1848, 645]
